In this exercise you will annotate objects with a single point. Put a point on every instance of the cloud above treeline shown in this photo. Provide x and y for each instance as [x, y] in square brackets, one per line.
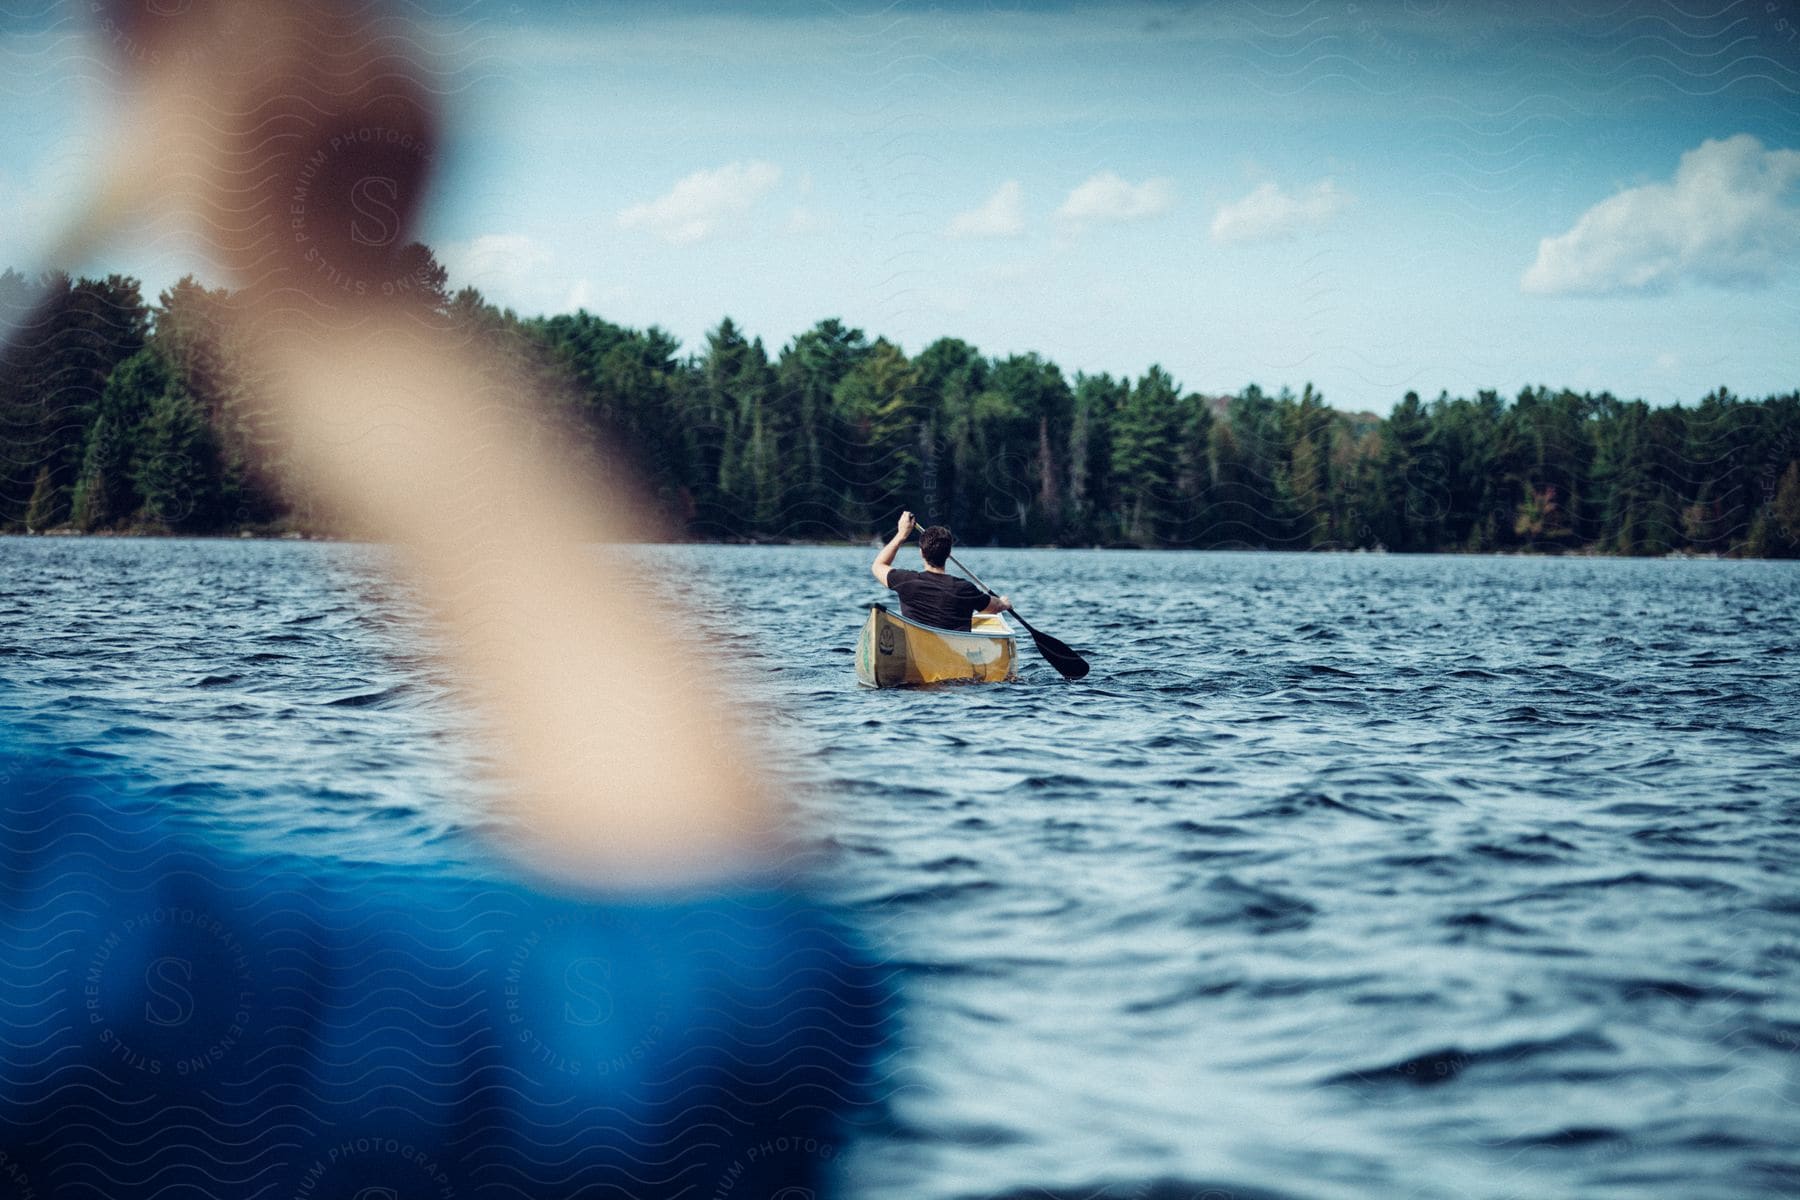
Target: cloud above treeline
[698, 204]
[516, 271]
[507, 265]
[1270, 212]
[1106, 198]
[1730, 217]
[1001, 215]
[494, 255]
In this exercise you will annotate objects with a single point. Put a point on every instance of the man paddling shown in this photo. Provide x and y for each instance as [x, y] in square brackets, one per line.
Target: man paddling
[932, 596]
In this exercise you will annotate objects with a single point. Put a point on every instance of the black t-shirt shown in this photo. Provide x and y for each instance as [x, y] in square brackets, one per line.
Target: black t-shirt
[931, 598]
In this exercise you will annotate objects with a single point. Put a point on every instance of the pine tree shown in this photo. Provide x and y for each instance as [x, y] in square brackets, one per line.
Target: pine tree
[71, 335]
[873, 405]
[952, 374]
[1307, 478]
[176, 467]
[105, 492]
[1090, 510]
[1146, 452]
[1404, 439]
[811, 445]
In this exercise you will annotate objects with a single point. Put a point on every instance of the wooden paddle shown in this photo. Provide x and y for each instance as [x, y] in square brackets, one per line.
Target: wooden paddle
[1068, 663]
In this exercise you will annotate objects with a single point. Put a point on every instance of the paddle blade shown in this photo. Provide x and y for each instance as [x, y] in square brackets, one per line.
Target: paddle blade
[1068, 664]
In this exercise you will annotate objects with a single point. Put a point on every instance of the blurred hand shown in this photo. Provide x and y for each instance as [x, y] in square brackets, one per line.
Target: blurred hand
[1005, 604]
[906, 525]
[616, 770]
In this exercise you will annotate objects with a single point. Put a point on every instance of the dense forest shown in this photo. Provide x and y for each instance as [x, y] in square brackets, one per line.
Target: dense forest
[119, 414]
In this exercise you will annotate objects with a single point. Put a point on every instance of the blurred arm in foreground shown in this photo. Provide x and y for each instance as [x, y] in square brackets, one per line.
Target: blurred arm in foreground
[300, 137]
[371, 1030]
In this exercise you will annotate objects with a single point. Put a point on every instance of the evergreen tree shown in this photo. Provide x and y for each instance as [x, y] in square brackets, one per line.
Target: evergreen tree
[952, 374]
[1307, 478]
[176, 467]
[416, 280]
[873, 405]
[112, 413]
[811, 446]
[106, 493]
[191, 331]
[736, 475]
[67, 337]
[1025, 443]
[714, 421]
[1091, 507]
[1404, 439]
[1146, 456]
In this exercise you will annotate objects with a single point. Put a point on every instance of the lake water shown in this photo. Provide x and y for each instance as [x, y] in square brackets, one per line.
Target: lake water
[1341, 876]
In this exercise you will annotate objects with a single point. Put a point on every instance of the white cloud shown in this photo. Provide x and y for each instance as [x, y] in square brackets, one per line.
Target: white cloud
[504, 266]
[1727, 218]
[1000, 215]
[1105, 198]
[514, 271]
[1269, 212]
[492, 254]
[695, 206]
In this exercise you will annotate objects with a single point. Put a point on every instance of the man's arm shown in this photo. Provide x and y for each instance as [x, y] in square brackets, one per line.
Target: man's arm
[885, 560]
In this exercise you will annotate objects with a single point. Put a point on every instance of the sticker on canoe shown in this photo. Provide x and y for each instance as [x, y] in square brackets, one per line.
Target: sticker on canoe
[885, 641]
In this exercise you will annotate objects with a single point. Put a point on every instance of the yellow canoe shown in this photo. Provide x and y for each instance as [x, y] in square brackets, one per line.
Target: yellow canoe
[896, 652]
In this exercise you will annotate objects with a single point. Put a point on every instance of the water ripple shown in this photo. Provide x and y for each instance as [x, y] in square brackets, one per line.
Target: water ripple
[1341, 876]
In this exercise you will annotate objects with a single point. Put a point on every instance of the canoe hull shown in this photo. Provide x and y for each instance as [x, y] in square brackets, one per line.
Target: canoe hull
[895, 652]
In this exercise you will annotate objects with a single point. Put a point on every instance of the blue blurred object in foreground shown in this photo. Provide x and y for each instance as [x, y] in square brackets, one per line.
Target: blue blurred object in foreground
[183, 1021]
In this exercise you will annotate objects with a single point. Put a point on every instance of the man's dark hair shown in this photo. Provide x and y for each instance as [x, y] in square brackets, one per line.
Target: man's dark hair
[934, 543]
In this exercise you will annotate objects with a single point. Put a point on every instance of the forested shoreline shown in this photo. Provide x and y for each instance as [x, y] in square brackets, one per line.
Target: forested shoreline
[121, 415]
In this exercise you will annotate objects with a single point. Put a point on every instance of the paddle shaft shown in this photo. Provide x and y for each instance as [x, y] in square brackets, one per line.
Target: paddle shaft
[976, 579]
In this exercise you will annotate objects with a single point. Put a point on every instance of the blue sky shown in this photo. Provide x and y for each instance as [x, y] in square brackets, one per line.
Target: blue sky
[1373, 197]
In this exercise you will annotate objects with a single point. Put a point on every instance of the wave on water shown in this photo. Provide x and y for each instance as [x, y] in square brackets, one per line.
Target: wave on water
[1341, 876]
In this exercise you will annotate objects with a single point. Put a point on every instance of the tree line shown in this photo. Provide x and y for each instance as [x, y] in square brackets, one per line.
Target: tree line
[121, 415]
